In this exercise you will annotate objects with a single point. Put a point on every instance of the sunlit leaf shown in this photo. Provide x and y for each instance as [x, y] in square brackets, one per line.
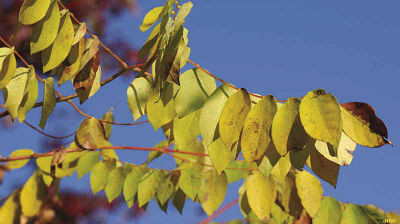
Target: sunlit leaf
[330, 212]
[281, 169]
[32, 195]
[148, 185]
[74, 59]
[32, 11]
[107, 126]
[91, 50]
[115, 182]
[375, 214]
[91, 134]
[236, 174]
[233, 115]
[345, 150]
[212, 190]
[59, 50]
[137, 94]
[49, 101]
[221, 156]
[158, 113]
[255, 138]
[79, 33]
[31, 93]
[151, 18]
[45, 32]
[9, 211]
[287, 132]
[86, 163]
[131, 184]
[186, 129]
[353, 214]
[7, 65]
[99, 175]
[310, 192]
[19, 163]
[290, 198]
[190, 180]
[196, 87]
[167, 187]
[321, 117]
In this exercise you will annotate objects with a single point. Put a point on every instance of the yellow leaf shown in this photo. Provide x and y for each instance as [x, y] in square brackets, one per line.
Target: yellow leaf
[255, 138]
[310, 192]
[212, 190]
[321, 117]
[74, 58]
[345, 150]
[186, 129]
[290, 198]
[7, 65]
[32, 11]
[19, 163]
[32, 195]
[150, 18]
[220, 155]
[324, 168]
[9, 211]
[49, 101]
[233, 115]
[281, 169]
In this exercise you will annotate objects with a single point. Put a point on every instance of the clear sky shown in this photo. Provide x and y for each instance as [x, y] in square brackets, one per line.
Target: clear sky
[283, 48]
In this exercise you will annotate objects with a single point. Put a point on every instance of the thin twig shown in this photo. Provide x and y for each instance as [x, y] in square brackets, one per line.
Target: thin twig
[219, 211]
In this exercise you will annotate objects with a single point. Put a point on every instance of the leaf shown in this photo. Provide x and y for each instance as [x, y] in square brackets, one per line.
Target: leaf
[49, 101]
[190, 180]
[137, 94]
[211, 111]
[74, 59]
[79, 33]
[299, 157]
[99, 175]
[155, 154]
[7, 65]
[212, 190]
[115, 182]
[167, 187]
[158, 113]
[375, 214]
[330, 212]
[244, 201]
[91, 134]
[310, 192]
[151, 43]
[255, 138]
[233, 115]
[178, 200]
[345, 150]
[186, 129]
[9, 211]
[278, 215]
[86, 163]
[196, 87]
[45, 32]
[234, 175]
[261, 194]
[281, 169]
[68, 165]
[91, 50]
[30, 94]
[353, 214]
[321, 118]
[196, 147]
[221, 156]
[290, 198]
[324, 168]
[131, 184]
[89, 78]
[32, 195]
[287, 132]
[32, 11]
[59, 50]
[151, 18]
[362, 125]
[148, 185]
[19, 163]
[107, 126]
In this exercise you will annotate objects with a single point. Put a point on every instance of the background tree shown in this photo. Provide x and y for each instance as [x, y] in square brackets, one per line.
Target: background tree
[275, 138]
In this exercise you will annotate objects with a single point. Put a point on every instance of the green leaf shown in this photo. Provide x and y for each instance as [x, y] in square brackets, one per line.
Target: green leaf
[196, 87]
[115, 182]
[91, 134]
[167, 187]
[190, 180]
[45, 32]
[281, 169]
[310, 192]
[32, 11]
[233, 115]
[278, 215]
[321, 117]
[330, 212]
[131, 184]
[261, 194]
[19, 163]
[234, 175]
[221, 156]
[345, 150]
[137, 94]
[287, 132]
[86, 163]
[196, 147]
[7, 65]
[255, 138]
[32, 195]
[151, 18]
[155, 154]
[182, 14]
[9, 211]
[59, 50]
[107, 126]
[99, 175]
[49, 101]
[324, 168]
[74, 59]
[148, 185]
[158, 113]
[298, 158]
[211, 111]
[375, 214]
[353, 214]
[31, 93]
[178, 200]
[186, 129]
[212, 191]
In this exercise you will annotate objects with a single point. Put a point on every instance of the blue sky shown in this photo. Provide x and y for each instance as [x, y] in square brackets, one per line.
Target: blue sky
[283, 48]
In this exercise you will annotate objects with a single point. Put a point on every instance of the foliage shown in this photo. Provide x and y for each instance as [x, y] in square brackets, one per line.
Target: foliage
[276, 139]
